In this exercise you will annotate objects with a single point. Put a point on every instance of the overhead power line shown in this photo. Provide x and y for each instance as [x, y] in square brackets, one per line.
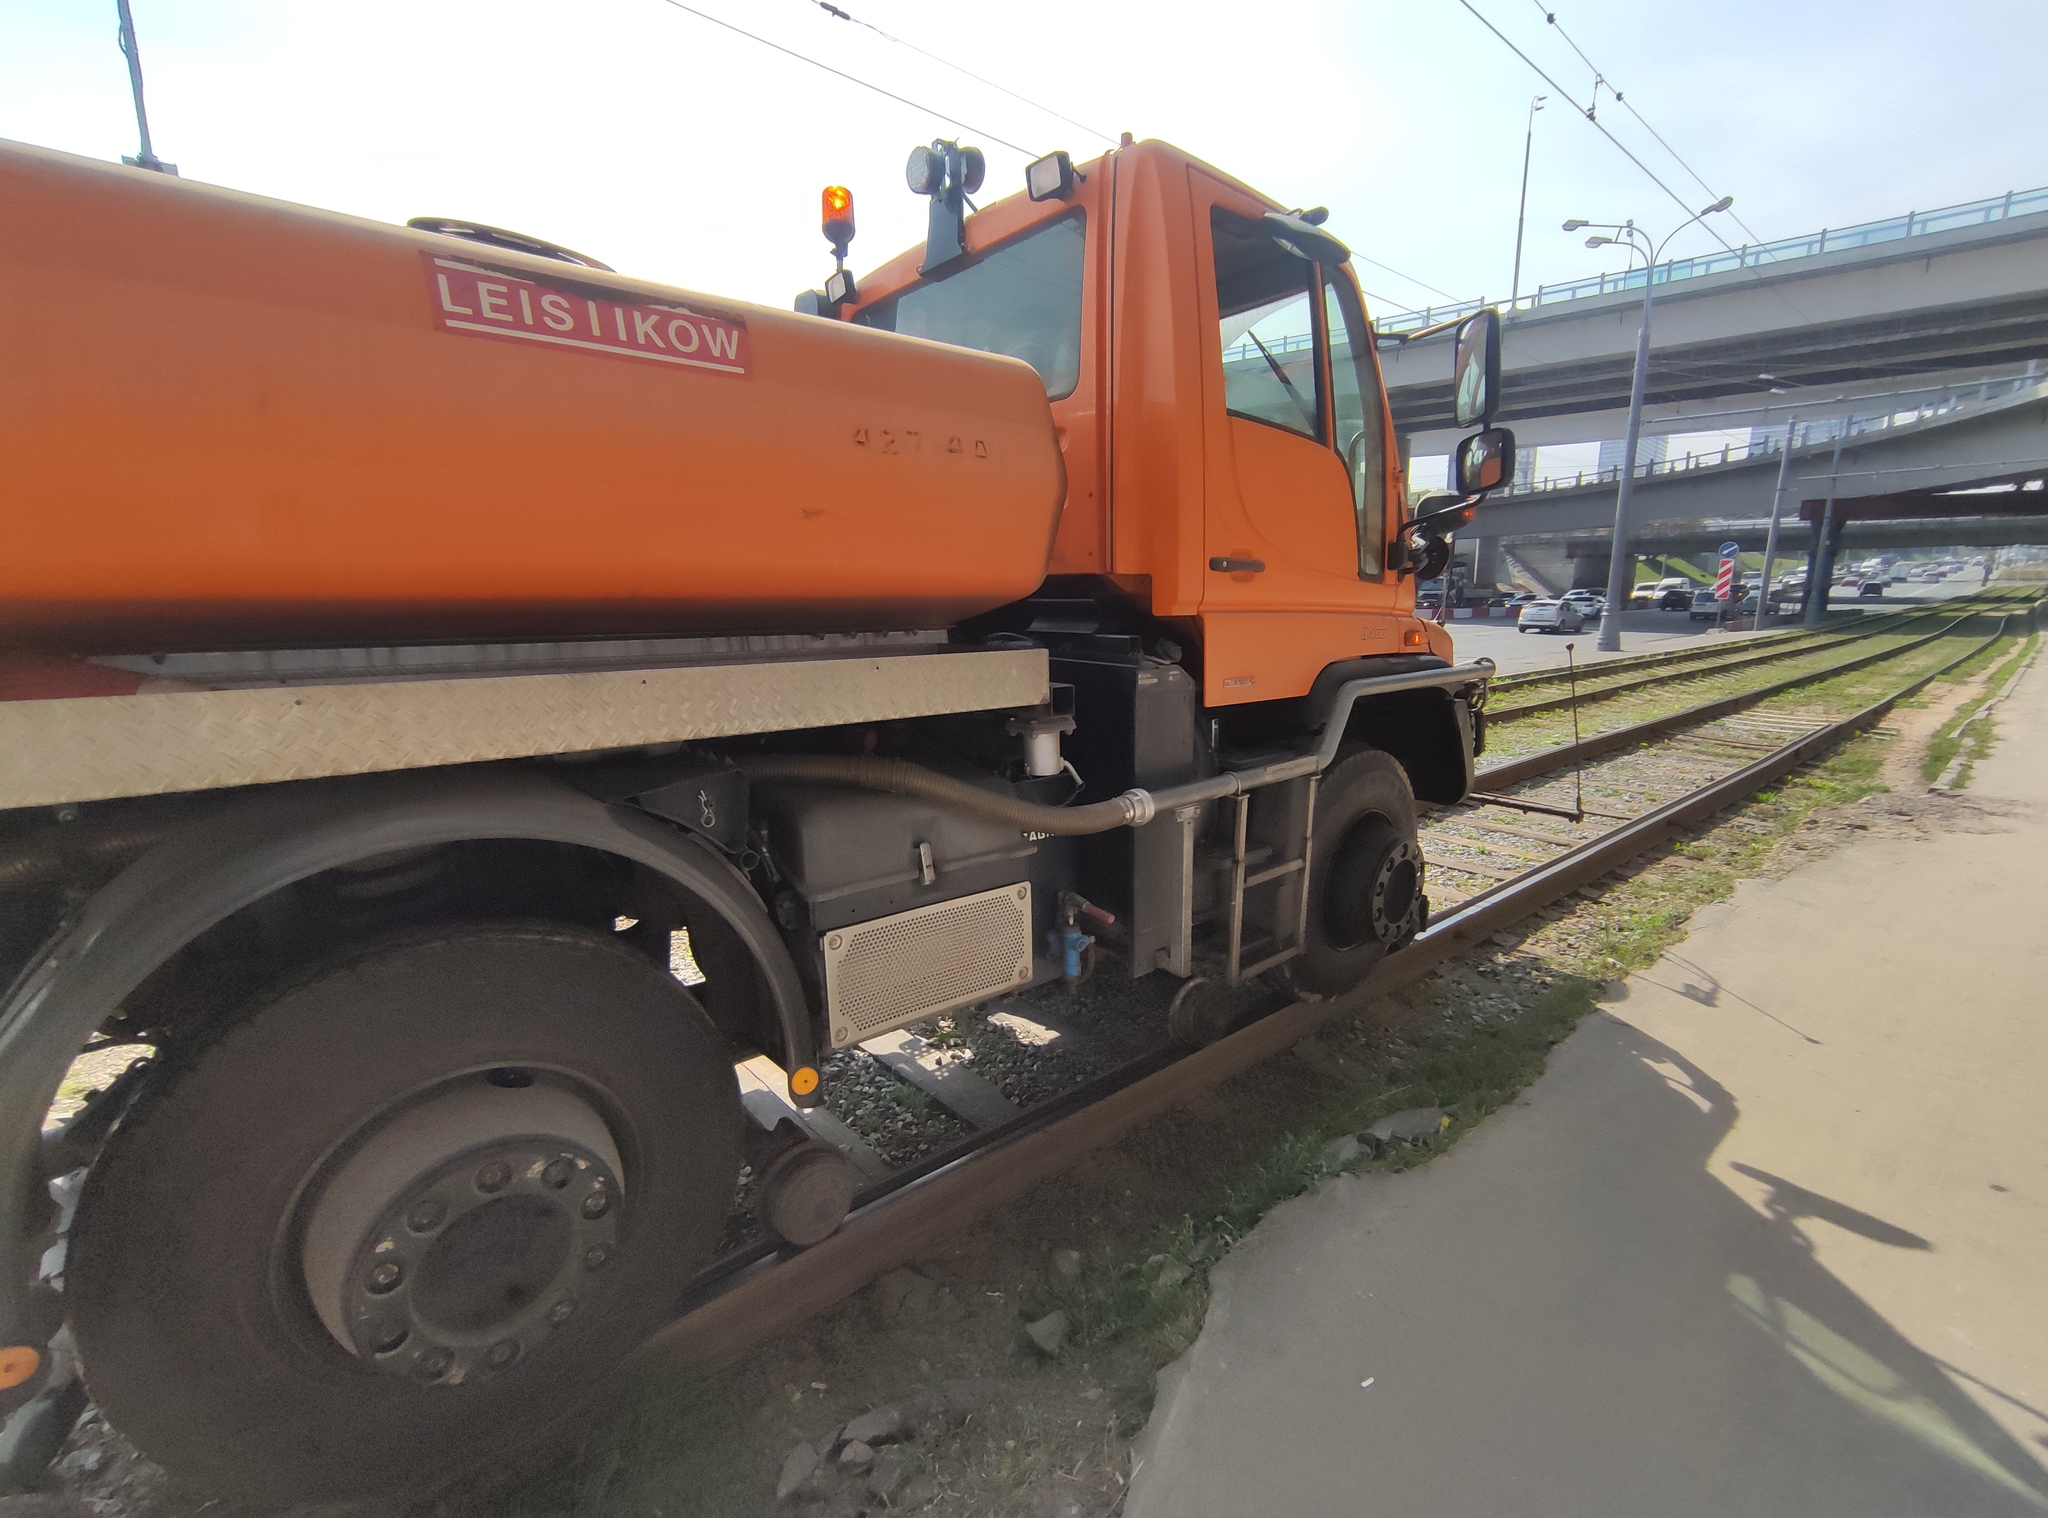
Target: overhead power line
[1550, 17]
[851, 78]
[832, 10]
[1423, 283]
[1754, 272]
[1591, 116]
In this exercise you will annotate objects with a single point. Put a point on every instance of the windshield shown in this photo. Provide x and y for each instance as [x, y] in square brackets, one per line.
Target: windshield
[1023, 300]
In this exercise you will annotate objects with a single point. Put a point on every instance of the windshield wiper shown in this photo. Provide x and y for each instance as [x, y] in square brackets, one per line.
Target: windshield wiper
[1307, 411]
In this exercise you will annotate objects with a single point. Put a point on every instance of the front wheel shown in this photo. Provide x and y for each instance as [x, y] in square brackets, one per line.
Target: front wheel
[404, 1213]
[1365, 879]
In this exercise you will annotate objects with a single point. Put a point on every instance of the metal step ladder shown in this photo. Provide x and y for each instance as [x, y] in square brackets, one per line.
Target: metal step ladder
[1286, 879]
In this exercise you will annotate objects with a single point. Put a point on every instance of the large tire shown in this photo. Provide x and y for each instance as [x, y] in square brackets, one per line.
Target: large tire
[353, 1099]
[1365, 873]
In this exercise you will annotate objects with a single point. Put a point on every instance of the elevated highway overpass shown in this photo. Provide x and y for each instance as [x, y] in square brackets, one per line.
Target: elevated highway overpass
[1976, 475]
[1929, 293]
[2000, 442]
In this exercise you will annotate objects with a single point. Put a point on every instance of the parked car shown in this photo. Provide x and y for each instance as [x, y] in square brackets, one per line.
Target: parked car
[1547, 615]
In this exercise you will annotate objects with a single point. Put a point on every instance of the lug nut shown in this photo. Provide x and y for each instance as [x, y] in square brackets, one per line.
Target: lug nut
[597, 1204]
[425, 1217]
[385, 1339]
[495, 1176]
[558, 1173]
[386, 1276]
[597, 1256]
[559, 1313]
[432, 1364]
[502, 1354]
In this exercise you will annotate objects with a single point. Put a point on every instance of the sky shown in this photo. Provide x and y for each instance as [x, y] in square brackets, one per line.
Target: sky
[678, 150]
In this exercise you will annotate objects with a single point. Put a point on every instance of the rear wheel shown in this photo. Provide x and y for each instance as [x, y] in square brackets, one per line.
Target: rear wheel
[1365, 873]
[404, 1213]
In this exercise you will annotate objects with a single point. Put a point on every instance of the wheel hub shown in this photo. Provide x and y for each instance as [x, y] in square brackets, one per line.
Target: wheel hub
[1373, 891]
[1397, 893]
[466, 1232]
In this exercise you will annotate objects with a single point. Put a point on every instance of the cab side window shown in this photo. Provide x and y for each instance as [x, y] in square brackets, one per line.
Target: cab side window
[1360, 434]
[1266, 306]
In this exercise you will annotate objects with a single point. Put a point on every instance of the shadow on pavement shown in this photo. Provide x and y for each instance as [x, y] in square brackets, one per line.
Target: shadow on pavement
[1569, 1314]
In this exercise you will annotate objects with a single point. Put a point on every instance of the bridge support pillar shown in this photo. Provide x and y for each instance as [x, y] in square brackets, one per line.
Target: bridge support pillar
[1589, 571]
[1486, 561]
[1820, 566]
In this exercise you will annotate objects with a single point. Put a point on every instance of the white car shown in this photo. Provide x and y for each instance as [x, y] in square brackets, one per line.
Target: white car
[1589, 602]
[1551, 616]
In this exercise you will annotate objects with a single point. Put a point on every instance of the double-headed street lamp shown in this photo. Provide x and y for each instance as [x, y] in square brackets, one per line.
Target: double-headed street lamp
[1629, 234]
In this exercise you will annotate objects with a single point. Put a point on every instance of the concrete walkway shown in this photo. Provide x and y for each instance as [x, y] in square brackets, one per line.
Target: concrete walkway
[1769, 1237]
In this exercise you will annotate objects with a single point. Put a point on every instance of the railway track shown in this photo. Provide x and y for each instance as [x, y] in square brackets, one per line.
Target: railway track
[1594, 683]
[1488, 871]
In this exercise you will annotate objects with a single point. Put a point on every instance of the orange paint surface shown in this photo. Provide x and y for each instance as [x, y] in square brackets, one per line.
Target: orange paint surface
[227, 420]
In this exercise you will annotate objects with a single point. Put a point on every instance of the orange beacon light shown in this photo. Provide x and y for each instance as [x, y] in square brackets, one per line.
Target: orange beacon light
[836, 207]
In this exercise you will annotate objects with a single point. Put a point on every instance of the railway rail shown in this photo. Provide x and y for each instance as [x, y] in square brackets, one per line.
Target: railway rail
[1594, 683]
[1711, 755]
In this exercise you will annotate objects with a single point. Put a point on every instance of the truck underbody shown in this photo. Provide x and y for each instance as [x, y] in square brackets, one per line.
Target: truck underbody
[811, 913]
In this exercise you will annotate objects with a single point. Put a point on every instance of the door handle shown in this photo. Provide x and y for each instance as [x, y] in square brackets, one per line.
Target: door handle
[1225, 566]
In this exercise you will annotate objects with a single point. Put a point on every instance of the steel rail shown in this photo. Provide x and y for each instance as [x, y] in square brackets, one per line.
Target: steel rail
[1896, 612]
[1737, 659]
[759, 1293]
[1514, 771]
[1633, 662]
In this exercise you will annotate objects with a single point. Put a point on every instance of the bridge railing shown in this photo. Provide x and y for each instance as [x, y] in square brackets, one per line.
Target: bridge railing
[1748, 256]
[1807, 434]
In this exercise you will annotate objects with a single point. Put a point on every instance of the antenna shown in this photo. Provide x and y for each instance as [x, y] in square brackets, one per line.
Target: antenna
[146, 159]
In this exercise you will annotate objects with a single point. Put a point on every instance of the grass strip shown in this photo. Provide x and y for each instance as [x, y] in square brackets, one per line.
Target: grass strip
[1949, 738]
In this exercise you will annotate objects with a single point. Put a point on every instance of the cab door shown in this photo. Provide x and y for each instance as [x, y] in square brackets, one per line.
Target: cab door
[1296, 464]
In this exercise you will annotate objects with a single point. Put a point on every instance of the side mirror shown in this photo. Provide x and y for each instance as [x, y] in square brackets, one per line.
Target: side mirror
[1476, 370]
[1484, 461]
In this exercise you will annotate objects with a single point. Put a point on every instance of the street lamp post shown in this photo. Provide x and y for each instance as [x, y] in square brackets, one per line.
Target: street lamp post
[1763, 594]
[1637, 241]
[1528, 142]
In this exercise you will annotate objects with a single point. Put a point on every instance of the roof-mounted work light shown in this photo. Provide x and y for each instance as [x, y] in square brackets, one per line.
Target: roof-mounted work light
[1050, 178]
[947, 173]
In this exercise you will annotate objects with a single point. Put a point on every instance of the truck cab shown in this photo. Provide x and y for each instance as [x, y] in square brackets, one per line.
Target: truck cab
[1231, 474]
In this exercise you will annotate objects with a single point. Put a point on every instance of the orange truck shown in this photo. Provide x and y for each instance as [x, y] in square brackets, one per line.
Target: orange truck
[462, 708]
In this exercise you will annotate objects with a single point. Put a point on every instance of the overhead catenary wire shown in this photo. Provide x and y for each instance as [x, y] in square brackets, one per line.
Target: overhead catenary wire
[1599, 78]
[1626, 152]
[850, 78]
[840, 14]
[834, 11]
[1591, 116]
[1425, 284]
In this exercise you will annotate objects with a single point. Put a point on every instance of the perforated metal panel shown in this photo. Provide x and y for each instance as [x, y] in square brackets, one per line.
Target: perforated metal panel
[896, 970]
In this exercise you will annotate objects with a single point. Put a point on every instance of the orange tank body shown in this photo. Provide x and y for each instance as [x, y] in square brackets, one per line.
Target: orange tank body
[225, 420]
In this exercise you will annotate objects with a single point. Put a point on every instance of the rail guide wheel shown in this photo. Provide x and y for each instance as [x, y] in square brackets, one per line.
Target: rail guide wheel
[404, 1213]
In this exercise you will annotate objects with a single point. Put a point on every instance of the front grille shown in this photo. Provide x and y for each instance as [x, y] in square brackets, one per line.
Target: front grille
[895, 970]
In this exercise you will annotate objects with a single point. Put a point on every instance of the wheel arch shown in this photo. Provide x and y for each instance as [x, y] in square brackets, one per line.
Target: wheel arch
[1428, 730]
[205, 871]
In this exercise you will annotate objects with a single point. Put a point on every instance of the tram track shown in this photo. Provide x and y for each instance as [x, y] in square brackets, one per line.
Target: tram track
[1590, 688]
[756, 1291]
